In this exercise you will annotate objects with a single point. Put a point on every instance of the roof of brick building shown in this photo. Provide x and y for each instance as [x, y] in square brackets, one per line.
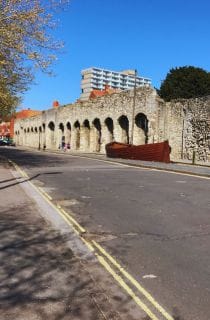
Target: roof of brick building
[99, 93]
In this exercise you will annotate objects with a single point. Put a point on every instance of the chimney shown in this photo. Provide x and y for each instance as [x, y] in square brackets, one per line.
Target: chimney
[55, 104]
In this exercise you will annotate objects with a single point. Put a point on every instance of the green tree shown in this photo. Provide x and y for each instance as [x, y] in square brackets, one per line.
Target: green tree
[185, 82]
[26, 45]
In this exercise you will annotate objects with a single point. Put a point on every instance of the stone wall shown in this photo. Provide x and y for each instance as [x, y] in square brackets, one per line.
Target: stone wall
[191, 120]
[87, 126]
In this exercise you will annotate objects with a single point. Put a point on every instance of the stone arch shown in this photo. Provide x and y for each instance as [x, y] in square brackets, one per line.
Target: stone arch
[39, 137]
[16, 136]
[124, 125]
[27, 136]
[85, 135]
[34, 140]
[109, 132]
[95, 135]
[61, 136]
[51, 136]
[68, 134]
[77, 135]
[61, 127]
[24, 136]
[140, 135]
[43, 136]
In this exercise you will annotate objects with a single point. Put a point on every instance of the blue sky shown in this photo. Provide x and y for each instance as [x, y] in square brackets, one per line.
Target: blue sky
[151, 36]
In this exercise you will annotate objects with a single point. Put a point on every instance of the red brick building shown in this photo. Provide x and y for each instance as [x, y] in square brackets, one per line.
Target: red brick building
[99, 93]
[7, 128]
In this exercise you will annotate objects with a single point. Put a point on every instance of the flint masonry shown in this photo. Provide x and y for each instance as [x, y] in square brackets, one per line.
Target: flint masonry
[87, 126]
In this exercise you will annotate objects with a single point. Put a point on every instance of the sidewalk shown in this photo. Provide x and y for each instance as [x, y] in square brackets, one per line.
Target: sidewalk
[40, 276]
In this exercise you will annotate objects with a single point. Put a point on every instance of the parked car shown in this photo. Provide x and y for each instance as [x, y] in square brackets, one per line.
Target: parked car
[8, 142]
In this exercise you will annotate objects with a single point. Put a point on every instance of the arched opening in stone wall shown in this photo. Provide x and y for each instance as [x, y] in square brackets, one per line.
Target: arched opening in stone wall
[68, 134]
[43, 145]
[140, 135]
[51, 126]
[77, 134]
[20, 138]
[34, 140]
[27, 135]
[51, 141]
[17, 137]
[96, 138]
[24, 136]
[109, 134]
[40, 138]
[124, 125]
[85, 136]
[61, 137]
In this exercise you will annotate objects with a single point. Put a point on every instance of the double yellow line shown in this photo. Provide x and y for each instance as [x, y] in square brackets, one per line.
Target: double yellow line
[110, 264]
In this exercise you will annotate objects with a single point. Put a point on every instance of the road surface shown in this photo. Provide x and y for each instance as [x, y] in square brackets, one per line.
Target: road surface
[155, 224]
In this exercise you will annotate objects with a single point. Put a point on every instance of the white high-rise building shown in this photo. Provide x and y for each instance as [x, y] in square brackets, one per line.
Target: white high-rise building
[97, 78]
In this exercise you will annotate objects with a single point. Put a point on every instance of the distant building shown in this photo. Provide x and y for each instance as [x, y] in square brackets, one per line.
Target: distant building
[4, 130]
[7, 128]
[97, 79]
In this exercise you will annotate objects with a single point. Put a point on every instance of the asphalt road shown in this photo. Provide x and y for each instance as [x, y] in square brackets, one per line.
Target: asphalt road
[156, 224]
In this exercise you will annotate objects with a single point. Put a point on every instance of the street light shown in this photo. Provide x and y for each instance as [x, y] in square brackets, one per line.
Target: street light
[133, 109]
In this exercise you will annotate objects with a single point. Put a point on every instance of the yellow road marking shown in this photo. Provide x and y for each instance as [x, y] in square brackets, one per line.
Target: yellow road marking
[133, 281]
[54, 207]
[126, 287]
[73, 220]
[45, 193]
[23, 173]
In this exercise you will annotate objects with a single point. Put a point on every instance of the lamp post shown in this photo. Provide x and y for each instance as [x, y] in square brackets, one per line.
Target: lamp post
[133, 109]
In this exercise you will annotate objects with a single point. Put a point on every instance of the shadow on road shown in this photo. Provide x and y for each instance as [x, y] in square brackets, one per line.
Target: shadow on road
[31, 158]
[39, 274]
[24, 180]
